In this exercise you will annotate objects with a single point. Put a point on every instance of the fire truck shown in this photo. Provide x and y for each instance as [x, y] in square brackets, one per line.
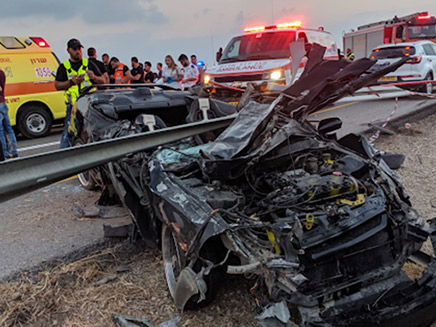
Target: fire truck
[416, 27]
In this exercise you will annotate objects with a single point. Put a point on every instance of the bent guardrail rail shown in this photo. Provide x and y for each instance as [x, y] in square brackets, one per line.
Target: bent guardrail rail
[27, 174]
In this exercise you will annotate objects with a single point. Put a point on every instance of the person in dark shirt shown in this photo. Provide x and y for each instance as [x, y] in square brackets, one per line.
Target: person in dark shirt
[5, 124]
[137, 72]
[92, 57]
[159, 70]
[81, 73]
[62, 76]
[110, 70]
[149, 76]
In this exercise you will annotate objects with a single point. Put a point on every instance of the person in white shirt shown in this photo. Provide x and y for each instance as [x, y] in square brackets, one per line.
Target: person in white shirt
[171, 73]
[190, 72]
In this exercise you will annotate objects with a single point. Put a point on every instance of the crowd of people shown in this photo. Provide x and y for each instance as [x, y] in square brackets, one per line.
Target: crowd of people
[77, 72]
[178, 77]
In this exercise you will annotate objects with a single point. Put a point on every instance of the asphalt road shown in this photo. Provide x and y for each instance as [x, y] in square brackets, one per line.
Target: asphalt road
[41, 225]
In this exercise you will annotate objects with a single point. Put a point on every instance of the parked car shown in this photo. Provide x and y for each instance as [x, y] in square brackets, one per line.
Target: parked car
[321, 226]
[420, 67]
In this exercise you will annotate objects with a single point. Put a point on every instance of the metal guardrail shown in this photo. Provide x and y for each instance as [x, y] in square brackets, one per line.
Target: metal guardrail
[24, 175]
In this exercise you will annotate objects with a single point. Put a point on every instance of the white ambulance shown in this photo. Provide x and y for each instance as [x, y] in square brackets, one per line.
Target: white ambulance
[262, 55]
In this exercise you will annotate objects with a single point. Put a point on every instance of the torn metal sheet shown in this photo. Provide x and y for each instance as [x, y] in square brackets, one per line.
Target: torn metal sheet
[323, 223]
[275, 315]
[98, 211]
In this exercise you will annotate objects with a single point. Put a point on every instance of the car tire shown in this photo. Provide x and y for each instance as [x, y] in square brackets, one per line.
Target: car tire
[428, 88]
[86, 178]
[172, 260]
[34, 121]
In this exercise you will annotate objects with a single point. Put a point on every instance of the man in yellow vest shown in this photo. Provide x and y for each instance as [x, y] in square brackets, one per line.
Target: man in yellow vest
[350, 55]
[72, 76]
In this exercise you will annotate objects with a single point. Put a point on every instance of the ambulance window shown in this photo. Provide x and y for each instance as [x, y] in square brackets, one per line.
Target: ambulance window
[233, 49]
[258, 46]
[9, 42]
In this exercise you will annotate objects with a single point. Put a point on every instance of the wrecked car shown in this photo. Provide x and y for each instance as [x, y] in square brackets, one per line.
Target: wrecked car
[321, 225]
[108, 111]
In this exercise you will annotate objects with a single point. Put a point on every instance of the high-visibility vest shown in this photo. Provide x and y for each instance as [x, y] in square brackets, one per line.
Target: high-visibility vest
[350, 56]
[119, 74]
[72, 93]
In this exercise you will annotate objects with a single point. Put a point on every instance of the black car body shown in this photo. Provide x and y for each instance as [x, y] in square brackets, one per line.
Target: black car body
[323, 225]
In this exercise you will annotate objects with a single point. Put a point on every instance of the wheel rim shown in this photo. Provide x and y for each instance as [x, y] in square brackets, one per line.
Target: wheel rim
[83, 178]
[171, 259]
[36, 123]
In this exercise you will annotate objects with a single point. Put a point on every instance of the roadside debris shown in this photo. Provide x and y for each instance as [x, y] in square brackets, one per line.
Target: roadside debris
[98, 211]
[129, 321]
[276, 315]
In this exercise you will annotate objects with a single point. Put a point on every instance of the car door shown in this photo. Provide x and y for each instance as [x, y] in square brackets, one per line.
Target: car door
[430, 56]
[434, 58]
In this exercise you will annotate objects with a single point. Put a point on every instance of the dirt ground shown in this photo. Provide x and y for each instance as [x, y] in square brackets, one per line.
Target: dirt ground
[128, 279]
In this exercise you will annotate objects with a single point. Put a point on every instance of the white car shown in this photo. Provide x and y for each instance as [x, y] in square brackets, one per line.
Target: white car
[420, 67]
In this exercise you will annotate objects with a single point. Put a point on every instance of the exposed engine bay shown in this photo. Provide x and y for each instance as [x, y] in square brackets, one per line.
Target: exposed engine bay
[321, 226]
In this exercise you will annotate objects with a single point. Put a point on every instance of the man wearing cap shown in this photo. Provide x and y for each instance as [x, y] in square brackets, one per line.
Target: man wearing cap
[72, 76]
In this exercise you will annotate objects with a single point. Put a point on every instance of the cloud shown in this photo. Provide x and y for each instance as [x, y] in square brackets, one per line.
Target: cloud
[92, 12]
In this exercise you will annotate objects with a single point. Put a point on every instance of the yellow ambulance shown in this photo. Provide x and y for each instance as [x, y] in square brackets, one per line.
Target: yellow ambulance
[34, 104]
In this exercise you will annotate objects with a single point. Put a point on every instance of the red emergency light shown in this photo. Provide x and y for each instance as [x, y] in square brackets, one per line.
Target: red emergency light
[40, 42]
[423, 17]
[254, 29]
[297, 23]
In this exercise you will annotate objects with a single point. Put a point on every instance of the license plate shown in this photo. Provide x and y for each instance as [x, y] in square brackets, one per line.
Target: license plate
[388, 79]
[233, 102]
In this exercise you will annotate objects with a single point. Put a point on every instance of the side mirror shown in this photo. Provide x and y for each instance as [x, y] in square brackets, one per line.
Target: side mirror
[328, 125]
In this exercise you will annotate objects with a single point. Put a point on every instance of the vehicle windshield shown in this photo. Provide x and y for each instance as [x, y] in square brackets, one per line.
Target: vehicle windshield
[257, 46]
[422, 31]
[393, 52]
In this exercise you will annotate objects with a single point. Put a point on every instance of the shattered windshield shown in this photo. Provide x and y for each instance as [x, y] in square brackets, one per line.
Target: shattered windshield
[259, 46]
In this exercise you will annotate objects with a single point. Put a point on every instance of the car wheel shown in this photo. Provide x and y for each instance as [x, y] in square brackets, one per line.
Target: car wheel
[34, 121]
[86, 178]
[428, 88]
[172, 260]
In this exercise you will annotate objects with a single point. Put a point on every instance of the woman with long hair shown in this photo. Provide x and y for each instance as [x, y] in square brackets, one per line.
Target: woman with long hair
[171, 73]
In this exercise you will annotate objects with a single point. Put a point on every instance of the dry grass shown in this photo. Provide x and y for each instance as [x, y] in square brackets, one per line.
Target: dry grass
[125, 279]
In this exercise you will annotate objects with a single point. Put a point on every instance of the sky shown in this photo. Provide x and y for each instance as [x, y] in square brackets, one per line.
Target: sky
[151, 29]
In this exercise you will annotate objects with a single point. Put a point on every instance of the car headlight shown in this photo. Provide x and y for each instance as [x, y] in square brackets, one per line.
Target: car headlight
[275, 75]
[206, 79]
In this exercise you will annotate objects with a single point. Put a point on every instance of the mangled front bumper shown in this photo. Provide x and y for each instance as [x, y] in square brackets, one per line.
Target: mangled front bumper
[388, 297]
